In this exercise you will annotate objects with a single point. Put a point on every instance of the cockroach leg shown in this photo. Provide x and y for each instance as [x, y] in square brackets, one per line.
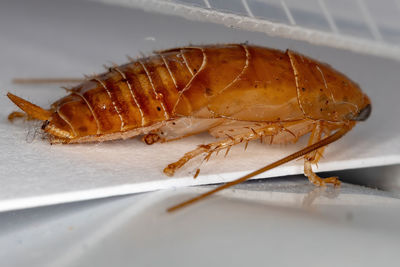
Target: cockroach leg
[171, 168]
[151, 138]
[16, 114]
[207, 158]
[245, 146]
[301, 153]
[227, 151]
[315, 179]
[318, 155]
[230, 137]
[272, 139]
[320, 152]
[217, 146]
[315, 156]
[290, 132]
[196, 174]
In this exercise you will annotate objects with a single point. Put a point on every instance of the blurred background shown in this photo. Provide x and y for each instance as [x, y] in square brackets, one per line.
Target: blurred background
[279, 221]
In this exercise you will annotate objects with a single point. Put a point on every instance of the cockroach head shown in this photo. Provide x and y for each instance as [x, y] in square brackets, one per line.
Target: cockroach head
[364, 113]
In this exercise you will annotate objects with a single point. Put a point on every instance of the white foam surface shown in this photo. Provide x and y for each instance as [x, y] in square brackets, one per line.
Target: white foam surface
[67, 39]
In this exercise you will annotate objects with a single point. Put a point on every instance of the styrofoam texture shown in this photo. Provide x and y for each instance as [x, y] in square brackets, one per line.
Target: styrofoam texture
[68, 39]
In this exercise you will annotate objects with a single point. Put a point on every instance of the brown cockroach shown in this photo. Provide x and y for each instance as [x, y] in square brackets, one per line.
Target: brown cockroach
[236, 92]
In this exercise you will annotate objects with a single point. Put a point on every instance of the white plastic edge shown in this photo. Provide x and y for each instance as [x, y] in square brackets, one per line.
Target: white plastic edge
[125, 189]
[312, 36]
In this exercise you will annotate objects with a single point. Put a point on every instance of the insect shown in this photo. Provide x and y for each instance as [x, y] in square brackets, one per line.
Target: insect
[236, 92]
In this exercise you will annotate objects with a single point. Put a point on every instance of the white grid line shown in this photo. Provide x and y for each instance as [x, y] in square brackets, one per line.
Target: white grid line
[248, 10]
[370, 22]
[328, 16]
[353, 43]
[288, 13]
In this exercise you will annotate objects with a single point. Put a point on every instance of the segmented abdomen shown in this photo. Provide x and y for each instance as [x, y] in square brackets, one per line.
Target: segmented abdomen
[133, 95]
[232, 81]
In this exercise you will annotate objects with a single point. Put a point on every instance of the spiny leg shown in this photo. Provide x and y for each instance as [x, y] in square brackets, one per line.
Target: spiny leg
[314, 157]
[223, 144]
[319, 152]
[301, 153]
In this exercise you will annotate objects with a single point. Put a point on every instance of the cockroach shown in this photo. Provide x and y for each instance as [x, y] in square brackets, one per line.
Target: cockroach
[236, 92]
